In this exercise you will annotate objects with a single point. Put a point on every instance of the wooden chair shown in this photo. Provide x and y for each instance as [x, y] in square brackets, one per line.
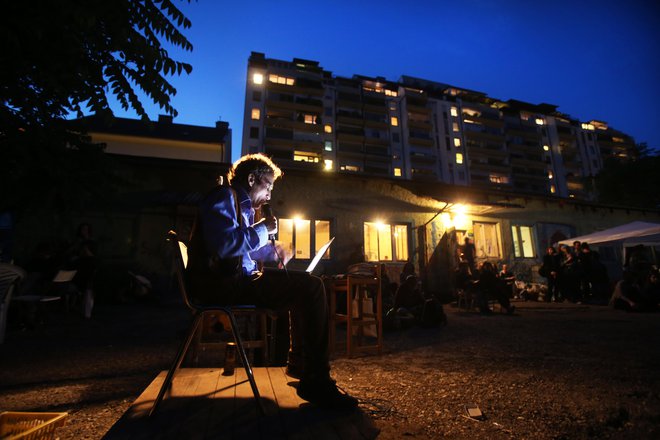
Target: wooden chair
[356, 319]
[199, 311]
[10, 277]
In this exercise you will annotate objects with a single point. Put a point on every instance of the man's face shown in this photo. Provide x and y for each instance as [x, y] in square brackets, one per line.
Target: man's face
[260, 189]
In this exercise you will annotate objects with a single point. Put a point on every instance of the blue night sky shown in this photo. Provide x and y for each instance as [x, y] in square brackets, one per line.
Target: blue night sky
[593, 59]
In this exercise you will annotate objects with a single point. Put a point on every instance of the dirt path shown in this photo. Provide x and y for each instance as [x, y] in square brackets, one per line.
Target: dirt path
[556, 371]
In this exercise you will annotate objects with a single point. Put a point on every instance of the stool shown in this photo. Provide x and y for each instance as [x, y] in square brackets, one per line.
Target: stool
[356, 319]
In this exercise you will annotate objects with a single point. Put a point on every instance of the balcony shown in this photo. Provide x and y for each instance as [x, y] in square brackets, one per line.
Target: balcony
[531, 135]
[489, 167]
[419, 159]
[483, 136]
[475, 151]
[489, 122]
[529, 163]
[422, 125]
[294, 106]
[425, 142]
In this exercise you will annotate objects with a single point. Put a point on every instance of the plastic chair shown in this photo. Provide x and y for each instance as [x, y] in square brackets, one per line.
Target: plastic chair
[180, 253]
[10, 276]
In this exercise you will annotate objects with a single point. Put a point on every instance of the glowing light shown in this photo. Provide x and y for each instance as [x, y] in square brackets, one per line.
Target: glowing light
[459, 209]
[460, 221]
[546, 148]
[258, 78]
[327, 165]
[446, 220]
[539, 121]
[380, 224]
[299, 220]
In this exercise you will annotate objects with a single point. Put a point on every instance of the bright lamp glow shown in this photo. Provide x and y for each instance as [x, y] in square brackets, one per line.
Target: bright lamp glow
[459, 209]
[258, 78]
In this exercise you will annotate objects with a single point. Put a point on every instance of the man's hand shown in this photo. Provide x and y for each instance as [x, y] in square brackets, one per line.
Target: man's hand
[283, 254]
[271, 224]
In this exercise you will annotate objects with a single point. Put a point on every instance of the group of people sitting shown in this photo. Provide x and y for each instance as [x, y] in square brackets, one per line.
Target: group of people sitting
[485, 283]
[631, 295]
[574, 274]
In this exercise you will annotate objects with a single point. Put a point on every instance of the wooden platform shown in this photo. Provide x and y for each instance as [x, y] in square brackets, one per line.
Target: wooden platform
[205, 404]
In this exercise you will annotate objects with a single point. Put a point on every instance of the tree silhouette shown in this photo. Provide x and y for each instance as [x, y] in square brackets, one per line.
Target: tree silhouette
[67, 57]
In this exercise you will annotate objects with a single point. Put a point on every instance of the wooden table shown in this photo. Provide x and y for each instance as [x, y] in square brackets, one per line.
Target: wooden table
[356, 320]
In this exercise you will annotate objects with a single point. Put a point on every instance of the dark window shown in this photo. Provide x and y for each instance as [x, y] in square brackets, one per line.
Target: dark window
[256, 95]
[254, 132]
[395, 137]
[328, 111]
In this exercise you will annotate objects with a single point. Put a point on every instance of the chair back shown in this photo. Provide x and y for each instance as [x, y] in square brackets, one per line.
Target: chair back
[10, 277]
[180, 262]
[64, 276]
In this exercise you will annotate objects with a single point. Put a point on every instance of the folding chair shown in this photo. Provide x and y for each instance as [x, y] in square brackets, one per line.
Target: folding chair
[180, 253]
[10, 276]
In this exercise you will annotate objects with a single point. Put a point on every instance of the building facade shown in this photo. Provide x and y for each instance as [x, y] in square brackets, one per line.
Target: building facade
[388, 219]
[420, 130]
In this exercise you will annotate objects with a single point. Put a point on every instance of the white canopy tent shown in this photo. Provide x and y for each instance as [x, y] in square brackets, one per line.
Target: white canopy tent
[621, 239]
[630, 234]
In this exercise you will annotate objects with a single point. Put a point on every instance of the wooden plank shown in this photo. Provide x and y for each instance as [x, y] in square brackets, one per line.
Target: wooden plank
[199, 408]
[222, 413]
[270, 425]
[205, 404]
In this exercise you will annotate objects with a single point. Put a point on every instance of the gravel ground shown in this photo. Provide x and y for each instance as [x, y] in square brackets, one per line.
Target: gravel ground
[551, 371]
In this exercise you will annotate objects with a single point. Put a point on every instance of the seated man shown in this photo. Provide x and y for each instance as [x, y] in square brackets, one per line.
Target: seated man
[225, 245]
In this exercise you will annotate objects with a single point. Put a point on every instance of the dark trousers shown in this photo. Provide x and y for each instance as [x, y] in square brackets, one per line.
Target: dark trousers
[303, 295]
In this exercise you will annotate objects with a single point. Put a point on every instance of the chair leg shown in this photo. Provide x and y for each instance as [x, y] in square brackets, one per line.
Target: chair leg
[177, 362]
[244, 359]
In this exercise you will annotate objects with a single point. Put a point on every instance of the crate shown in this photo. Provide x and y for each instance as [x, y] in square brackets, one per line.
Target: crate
[30, 425]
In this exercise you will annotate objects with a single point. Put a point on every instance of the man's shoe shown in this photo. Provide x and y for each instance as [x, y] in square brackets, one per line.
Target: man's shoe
[294, 371]
[325, 394]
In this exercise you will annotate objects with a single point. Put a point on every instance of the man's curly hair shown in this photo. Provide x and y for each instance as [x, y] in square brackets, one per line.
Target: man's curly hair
[257, 164]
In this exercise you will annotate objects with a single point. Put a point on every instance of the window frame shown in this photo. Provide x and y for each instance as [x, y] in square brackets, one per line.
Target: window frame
[394, 257]
[516, 235]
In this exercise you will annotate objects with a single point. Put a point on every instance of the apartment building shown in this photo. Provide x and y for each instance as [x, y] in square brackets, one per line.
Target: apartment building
[416, 129]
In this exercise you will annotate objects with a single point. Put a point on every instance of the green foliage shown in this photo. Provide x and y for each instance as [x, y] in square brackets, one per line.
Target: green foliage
[67, 57]
[632, 183]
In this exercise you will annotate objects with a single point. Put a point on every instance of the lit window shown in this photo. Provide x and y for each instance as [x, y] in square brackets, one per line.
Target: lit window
[550, 176]
[304, 156]
[486, 240]
[494, 178]
[553, 189]
[353, 168]
[397, 172]
[539, 121]
[299, 236]
[256, 114]
[302, 237]
[395, 121]
[391, 93]
[310, 119]
[588, 127]
[523, 246]
[328, 146]
[454, 111]
[454, 126]
[280, 79]
[546, 148]
[321, 236]
[327, 164]
[457, 142]
[327, 128]
[459, 158]
[258, 78]
[384, 242]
